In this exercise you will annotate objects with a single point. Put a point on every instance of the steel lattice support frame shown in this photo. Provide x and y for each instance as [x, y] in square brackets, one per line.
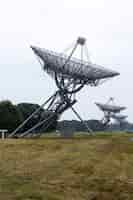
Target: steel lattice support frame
[62, 100]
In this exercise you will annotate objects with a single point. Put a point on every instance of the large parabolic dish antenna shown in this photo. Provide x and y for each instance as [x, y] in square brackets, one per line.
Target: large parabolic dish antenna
[74, 70]
[70, 75]
[119, 117]
[110, 110]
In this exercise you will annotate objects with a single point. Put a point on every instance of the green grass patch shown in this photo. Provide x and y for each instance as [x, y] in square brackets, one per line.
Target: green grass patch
[98, 167]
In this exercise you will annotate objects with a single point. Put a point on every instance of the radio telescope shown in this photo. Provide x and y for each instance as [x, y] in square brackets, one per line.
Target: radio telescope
[70, 75]
[120, 119]
[110, 110]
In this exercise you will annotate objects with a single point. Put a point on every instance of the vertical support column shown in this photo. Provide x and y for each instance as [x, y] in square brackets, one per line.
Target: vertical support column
[3, 133]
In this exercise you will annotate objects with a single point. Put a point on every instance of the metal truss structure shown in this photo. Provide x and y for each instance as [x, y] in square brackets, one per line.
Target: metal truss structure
[70, 75]
[110, 110]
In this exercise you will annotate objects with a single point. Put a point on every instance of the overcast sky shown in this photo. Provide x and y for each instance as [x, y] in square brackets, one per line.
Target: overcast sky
[54, 24]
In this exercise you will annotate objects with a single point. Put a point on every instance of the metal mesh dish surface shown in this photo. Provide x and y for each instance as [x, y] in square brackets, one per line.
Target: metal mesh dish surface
[74, 68]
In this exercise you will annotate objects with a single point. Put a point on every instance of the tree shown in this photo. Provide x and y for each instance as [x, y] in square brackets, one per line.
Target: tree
[10, 116]
[27, 109]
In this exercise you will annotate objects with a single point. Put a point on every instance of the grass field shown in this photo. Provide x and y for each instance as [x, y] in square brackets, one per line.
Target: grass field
[88, 168]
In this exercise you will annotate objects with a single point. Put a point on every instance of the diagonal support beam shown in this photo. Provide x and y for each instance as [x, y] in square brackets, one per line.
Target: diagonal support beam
[79, 117]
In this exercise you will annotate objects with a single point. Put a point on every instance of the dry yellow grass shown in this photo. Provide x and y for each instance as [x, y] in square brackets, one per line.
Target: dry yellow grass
[93, 168]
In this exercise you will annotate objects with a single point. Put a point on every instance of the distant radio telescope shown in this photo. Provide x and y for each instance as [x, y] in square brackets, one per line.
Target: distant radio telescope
[111, 110]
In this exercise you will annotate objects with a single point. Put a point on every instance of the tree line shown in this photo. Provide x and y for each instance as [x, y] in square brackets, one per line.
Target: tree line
[11, 116]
